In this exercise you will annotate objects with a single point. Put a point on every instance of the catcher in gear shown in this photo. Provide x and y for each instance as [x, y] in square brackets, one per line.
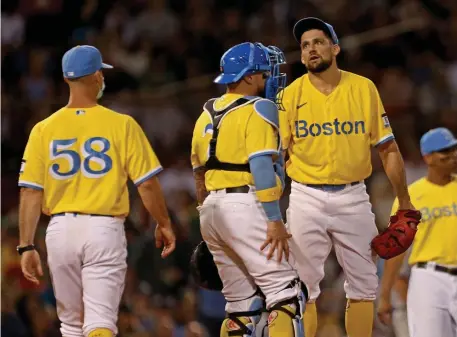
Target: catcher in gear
[398, 236]
[238, 169]
[205, 275]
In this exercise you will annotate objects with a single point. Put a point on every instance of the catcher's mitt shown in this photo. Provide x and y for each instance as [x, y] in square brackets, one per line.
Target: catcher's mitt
[398, 236]
[203, 269]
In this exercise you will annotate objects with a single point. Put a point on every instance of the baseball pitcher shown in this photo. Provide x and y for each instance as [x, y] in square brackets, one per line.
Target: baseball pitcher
[331, 121]
[75, 169]
[235, 153]
[432, 289]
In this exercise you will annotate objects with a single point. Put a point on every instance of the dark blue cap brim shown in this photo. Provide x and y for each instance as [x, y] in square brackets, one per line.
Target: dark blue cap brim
[306, 24]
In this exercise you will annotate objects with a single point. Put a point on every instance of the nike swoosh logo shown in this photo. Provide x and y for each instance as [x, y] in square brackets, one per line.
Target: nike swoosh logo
[299, 106]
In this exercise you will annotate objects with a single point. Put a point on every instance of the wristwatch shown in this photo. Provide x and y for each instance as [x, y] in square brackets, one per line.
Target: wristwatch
[20, 249]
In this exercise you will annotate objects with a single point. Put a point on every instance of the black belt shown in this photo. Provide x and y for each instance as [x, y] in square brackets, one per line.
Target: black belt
[331, 188]
[443, 269]
[239, 189]
[75, 214]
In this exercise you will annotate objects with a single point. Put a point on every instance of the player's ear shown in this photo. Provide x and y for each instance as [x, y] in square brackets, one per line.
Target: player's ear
[249, 79]
[336, 49]
[428, 159]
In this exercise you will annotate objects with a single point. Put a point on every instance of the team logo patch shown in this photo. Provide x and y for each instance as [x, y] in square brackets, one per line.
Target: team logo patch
[22, 166]
[80, 112]
[385, 120]
[272, 316]
[232, 326]
[208, 129]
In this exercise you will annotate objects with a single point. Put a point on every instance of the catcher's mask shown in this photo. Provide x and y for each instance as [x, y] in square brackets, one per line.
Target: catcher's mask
[203, 269]
[249, 58]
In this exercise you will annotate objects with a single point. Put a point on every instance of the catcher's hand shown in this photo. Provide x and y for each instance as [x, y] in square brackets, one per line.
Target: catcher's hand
[398, 236]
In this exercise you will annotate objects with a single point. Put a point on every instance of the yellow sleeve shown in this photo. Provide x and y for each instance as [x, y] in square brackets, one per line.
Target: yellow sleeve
[381, 131]
[197, 136]
[32, 171]
[285, 112]
[142, 162]
[261, 137]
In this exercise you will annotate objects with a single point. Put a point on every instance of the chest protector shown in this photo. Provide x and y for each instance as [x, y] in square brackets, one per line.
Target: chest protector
[217, 116]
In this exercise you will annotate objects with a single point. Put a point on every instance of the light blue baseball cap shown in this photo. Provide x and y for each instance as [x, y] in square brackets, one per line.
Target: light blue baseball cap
[436, 140]
[81, 61]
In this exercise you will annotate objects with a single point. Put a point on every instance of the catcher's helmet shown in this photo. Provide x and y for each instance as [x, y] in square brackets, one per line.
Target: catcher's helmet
[249, 58]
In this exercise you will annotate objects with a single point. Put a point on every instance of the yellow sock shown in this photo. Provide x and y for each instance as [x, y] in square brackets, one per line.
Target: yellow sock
[310, 320]
[280, 323]
[359, 318]
[101, 332]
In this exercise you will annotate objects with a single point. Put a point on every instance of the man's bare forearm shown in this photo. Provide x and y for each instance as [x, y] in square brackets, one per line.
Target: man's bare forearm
[395, 170]
[390, 274]
[29, 214]
[199, 176]
[151, 194]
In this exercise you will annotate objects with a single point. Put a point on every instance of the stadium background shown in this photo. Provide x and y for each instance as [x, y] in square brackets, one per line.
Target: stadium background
[165, 54]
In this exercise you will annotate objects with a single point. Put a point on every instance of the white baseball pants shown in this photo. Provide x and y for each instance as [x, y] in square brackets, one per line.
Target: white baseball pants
[87, 261]
[234, 227]
[319, 220]
[432, 303]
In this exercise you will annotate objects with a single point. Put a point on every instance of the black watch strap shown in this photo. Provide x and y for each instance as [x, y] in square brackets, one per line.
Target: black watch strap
[23, 249]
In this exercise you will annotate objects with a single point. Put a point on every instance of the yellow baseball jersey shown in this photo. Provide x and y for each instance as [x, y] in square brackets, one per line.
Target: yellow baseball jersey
[436, 237]
[243, 134]
[82, 159]
[328, 137]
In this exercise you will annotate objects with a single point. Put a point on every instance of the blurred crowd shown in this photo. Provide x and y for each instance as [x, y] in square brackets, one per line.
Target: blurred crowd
[153, 43]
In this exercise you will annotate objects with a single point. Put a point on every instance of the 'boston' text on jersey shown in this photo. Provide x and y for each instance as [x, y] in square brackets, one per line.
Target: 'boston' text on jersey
[302, 129]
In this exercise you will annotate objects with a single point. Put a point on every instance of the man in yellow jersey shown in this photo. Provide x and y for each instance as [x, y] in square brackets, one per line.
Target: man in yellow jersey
[75, 169]
[332, 118]
[235, 149]
[432, 288]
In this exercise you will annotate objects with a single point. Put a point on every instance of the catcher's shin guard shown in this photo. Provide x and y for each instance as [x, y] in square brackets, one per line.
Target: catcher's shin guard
[243, 323]
[286, 319]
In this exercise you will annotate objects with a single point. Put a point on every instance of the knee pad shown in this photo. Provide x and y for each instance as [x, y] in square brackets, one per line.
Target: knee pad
[243, 317]
[286, 318]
